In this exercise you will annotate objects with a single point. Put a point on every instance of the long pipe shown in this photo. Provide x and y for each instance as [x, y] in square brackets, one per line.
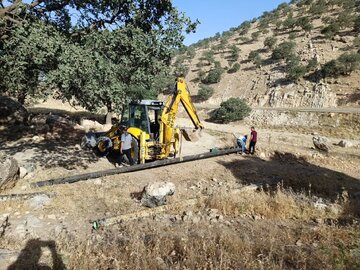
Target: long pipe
[75, 178]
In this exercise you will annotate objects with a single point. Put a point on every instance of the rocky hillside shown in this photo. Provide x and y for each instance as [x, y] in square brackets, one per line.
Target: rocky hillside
[305, 54]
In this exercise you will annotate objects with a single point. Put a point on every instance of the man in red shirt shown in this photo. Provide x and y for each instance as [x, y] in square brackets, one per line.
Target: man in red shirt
[253, 139]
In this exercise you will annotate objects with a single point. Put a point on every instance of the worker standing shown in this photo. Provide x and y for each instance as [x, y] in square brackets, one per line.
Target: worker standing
[253, 140]
[125, 147]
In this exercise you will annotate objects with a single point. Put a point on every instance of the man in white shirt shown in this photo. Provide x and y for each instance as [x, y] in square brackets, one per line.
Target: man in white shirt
[125, 147]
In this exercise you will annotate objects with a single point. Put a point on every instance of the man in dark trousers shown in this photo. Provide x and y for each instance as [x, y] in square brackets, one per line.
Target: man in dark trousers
[253, 139]
[125, 147]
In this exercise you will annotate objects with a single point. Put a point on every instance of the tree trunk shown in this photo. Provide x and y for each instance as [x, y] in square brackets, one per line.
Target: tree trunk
[109, 113]
[108, 118]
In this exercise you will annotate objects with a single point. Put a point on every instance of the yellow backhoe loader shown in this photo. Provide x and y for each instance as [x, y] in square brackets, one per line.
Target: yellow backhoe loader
[152, 126]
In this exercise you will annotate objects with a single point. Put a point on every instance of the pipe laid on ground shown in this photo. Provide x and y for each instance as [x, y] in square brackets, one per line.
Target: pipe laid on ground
[141, 214]
[25, 196]
[92, 175]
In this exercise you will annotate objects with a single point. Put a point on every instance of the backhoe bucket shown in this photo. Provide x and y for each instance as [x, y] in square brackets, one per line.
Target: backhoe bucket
[191, 135]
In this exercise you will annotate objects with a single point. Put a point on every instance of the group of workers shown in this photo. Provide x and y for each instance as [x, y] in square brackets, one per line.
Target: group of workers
[241, 142]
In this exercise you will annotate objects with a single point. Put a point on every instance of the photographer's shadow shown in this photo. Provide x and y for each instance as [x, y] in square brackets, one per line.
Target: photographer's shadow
[30, 255]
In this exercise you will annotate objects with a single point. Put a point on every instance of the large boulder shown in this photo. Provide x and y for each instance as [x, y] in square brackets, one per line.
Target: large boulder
[321, 143]
[155, 194]
[9, 171]
[12, 112]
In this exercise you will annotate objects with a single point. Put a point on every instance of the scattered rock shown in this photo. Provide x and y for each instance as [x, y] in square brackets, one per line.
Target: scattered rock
[23, 172]
[89, 125]
[39, 201]
[346, 143]
[12, 112]
[320, 206]
[37, 139]
[160, 263]
[196, 219]
[52, 119]
[319, 220]
[321, 143]
[51, 216]
[9, 171]
[155, 194]
[30, 167]
[299, 243]
[97, 181]
[335, 209]
[28, 226]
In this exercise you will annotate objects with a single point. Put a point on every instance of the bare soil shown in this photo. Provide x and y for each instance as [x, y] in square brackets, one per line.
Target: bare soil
[282, 217]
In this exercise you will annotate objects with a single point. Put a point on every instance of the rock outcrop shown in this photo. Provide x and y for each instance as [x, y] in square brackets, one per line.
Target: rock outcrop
[12, 112]
[321, 143]
[9, 171]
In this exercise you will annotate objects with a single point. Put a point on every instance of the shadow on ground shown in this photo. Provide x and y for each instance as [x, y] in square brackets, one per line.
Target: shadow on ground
[58, 147]
[30, 256]
[297, 174]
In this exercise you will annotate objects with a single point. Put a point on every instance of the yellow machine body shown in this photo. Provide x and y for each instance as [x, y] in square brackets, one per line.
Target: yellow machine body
[152, 125]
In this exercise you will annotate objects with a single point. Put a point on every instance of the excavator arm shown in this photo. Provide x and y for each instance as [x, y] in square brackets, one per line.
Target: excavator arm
[181, 95]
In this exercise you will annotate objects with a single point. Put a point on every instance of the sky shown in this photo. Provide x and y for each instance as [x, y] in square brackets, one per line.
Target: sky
[220, 15]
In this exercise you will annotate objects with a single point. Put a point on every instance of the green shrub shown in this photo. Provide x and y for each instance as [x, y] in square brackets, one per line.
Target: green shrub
[349, 62]
[205, 92]
[312, 63]
[201, 75]
[181, 70]
[255, 35]
[292, 36]
[278, 24]
[284, 50]
[318, 8]
[253, 55]
[244, 27]
[284, 7]
[357, 24]
[234, 68]
[356, 42]
[201, 63]
[232, 110]
[214, 76]
[289, 23]
[344, 65]
[295, 71]
[344, 19]
[330, 69]
[258, 61]
[234, 53]
[270, 42]
[304, 23]
[208, 56]
[191, 52]
[330, 30]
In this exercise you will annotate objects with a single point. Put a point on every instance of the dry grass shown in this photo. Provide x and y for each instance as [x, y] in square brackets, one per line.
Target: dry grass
[281, 204]
[283, 237]
[246, 246]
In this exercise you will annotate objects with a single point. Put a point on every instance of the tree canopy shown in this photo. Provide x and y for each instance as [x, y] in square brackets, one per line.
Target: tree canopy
[93, 53]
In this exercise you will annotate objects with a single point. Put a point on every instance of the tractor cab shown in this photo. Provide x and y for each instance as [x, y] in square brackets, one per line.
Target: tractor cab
[144, 116]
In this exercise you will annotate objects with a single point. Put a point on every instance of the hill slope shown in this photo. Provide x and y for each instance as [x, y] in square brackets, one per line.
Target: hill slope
[296, 78]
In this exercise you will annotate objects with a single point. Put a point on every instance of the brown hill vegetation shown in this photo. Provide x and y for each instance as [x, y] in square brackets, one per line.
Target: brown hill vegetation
[285, 57]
